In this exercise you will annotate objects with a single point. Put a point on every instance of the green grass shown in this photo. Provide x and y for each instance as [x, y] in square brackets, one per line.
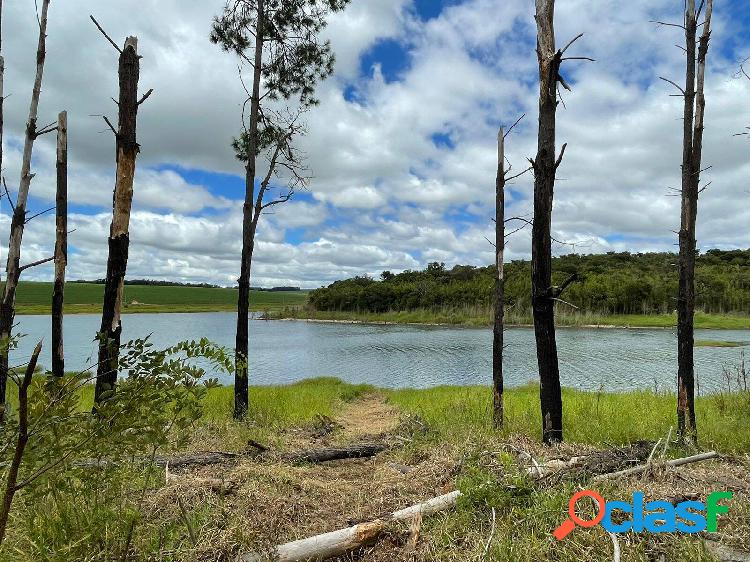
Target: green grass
[455, 412]
[280, 407]
[717, 343]
[482, 316]
[597, 418]
[86, 298]
[456, 317]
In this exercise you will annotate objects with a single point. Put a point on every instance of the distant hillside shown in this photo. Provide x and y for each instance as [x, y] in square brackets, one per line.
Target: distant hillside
[612, 283]
[36, 298]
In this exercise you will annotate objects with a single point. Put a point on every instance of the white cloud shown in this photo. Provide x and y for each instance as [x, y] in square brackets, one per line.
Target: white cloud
[355, 198]
[383, 192]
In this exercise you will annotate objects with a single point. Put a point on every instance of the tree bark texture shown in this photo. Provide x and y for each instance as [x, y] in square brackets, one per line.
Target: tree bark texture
[691, 168]
[2, 95]
[61, 246]
[127, 150]
[497, 333]
[2, 100]
[249, 224]
[541, 253]
[13, 267]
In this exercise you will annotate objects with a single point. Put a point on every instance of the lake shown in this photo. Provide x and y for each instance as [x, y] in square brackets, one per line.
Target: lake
[407, 356]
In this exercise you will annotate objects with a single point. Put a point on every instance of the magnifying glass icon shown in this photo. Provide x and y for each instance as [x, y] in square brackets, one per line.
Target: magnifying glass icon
[567, 527]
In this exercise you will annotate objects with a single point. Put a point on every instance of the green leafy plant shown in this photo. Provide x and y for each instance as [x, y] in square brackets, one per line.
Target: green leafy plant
[56, 450]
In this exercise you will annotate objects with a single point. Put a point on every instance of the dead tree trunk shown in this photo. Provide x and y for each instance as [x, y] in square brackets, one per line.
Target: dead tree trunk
[13, 266]
[2, 95]
[497, 334]
[545, 165]
[249, 225]
[127, 151]
[11, 480]
[541, 249]
[61, 246]
[691, 169]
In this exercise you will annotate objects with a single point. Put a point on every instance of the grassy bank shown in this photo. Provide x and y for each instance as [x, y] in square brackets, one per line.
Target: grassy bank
[481, 317]
[440, 439]
[86, 298]
[455, 413]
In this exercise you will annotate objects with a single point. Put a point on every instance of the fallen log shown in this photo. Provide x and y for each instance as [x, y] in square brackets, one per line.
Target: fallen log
[361, 451]
[208, 458]
[643, 468]
[336, 543]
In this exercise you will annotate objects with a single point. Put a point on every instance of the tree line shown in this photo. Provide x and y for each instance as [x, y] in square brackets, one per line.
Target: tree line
[611, 283]
[150, 282]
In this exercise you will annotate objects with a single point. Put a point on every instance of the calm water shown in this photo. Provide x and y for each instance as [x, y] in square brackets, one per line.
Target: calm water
[407, 356]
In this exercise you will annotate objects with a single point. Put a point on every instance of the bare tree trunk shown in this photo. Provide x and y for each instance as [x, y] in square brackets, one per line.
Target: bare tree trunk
[2, 95]
[61, 246]
[691, 168]
[249, 223]
[497, 333]
[11, 479]
[13, 267]
[541, 250]
[127, 151]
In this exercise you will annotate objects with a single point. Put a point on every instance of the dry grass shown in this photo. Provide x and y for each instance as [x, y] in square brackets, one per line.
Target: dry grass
[270, 501]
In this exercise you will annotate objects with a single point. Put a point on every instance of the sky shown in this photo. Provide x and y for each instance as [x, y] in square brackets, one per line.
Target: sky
[402, 147]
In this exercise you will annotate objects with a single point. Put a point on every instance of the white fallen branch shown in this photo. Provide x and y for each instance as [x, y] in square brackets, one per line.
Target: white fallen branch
[673, 463]
[616, 546]
[489, 539]
[335, 543]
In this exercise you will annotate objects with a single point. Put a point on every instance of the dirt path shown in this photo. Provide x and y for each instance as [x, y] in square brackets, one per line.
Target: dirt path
[367, 416]
[272, 501]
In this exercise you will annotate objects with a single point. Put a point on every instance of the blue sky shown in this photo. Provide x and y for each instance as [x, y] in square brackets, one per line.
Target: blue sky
[402, 147]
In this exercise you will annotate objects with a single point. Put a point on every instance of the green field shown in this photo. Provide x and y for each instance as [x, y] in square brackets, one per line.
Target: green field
[86, 298]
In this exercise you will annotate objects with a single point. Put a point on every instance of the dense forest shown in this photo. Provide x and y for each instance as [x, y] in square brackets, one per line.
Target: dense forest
[612, 283]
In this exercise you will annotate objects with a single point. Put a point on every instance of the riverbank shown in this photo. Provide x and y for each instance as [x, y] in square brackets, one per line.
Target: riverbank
[34, 298]
[436, 440]
[483, 318]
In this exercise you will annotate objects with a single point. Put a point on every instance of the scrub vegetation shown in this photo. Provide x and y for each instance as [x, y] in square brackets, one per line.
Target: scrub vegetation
[613, 284]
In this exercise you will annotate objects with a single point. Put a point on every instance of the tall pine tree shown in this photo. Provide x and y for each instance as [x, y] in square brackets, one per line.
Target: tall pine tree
[279, 40]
